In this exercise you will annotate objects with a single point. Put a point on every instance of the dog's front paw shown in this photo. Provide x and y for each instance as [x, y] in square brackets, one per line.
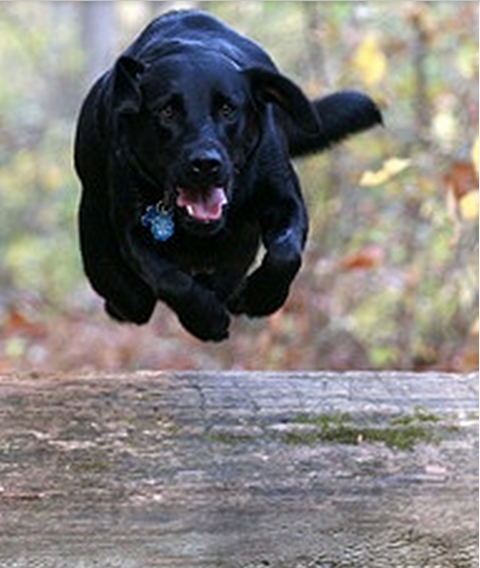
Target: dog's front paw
[208, 321]
[257, 298]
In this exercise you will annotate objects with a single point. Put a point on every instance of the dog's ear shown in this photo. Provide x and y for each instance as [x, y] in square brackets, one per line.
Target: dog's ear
[272, 87]
[126, 87]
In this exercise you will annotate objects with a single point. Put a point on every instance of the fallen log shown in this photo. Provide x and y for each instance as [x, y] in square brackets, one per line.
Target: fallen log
[239, 470]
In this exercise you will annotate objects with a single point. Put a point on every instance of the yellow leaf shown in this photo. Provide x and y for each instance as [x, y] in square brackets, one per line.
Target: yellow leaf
[370, 61]
[396, 165]
[475, 155]
[469, 205]
[390, 168]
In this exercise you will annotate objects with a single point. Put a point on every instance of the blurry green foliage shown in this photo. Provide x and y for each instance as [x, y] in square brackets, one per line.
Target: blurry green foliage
[391, 271]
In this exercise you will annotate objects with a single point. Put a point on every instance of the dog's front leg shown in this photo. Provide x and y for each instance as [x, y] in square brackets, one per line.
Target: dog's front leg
[199, 310]
[284, 224]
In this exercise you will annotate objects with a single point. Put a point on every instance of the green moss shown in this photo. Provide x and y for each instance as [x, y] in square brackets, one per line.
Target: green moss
[230, 438]
[401, 433]
[420, 416]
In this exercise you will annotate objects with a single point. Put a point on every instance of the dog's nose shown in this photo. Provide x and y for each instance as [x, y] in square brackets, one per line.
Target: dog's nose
[206, 165]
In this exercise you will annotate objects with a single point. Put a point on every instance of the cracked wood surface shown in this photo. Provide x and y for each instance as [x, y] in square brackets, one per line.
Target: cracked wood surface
[239, 470]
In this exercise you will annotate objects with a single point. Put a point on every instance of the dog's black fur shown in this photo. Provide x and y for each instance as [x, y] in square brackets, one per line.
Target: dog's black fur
[197, 119]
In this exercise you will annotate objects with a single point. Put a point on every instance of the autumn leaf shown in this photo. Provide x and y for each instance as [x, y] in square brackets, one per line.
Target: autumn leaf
[461, 179]
[390, 169]
[370, 61]
[475, 151]
[17, 323]
[364, 259]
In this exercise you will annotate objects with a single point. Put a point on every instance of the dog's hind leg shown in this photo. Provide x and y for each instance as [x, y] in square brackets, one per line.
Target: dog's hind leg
[127, 297]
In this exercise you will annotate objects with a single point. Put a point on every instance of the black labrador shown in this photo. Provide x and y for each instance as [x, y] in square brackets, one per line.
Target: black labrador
[183, 149]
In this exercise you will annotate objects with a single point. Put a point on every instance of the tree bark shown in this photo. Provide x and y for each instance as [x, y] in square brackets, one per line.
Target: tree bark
[98, 37]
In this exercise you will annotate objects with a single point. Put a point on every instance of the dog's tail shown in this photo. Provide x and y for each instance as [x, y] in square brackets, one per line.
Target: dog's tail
[340, 115]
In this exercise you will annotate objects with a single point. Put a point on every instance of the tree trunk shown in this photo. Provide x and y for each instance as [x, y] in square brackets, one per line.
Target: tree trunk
[98, 36]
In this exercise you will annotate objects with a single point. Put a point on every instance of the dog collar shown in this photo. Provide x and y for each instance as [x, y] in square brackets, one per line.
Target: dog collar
[158, 218]
[160, 221]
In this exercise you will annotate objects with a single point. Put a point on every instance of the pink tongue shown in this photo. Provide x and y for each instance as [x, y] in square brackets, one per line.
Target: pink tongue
[203, 206]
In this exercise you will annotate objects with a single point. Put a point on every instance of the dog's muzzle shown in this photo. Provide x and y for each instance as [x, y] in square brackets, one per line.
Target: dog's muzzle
[201, 190]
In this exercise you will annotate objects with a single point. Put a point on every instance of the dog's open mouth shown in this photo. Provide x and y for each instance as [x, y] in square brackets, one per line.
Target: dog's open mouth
[205, 205]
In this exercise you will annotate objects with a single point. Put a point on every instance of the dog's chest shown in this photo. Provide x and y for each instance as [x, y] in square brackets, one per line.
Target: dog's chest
[208, 255]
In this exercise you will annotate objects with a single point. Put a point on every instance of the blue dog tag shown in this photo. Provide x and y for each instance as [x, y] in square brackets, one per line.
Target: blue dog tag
[159, 221]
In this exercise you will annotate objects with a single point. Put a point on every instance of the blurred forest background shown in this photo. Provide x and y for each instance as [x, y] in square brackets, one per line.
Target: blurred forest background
[390, 278]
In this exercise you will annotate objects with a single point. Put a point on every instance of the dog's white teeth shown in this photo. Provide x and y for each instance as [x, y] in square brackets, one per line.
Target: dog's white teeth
[190, 210]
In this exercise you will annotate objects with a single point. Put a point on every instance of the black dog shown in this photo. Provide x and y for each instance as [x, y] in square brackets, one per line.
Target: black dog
[183, 150]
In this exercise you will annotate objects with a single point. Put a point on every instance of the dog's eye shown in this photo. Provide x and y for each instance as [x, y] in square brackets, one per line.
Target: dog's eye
[226, 110]
[167, 112]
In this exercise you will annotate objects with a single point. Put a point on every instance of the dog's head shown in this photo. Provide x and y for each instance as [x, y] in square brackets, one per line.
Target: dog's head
[190, 121]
